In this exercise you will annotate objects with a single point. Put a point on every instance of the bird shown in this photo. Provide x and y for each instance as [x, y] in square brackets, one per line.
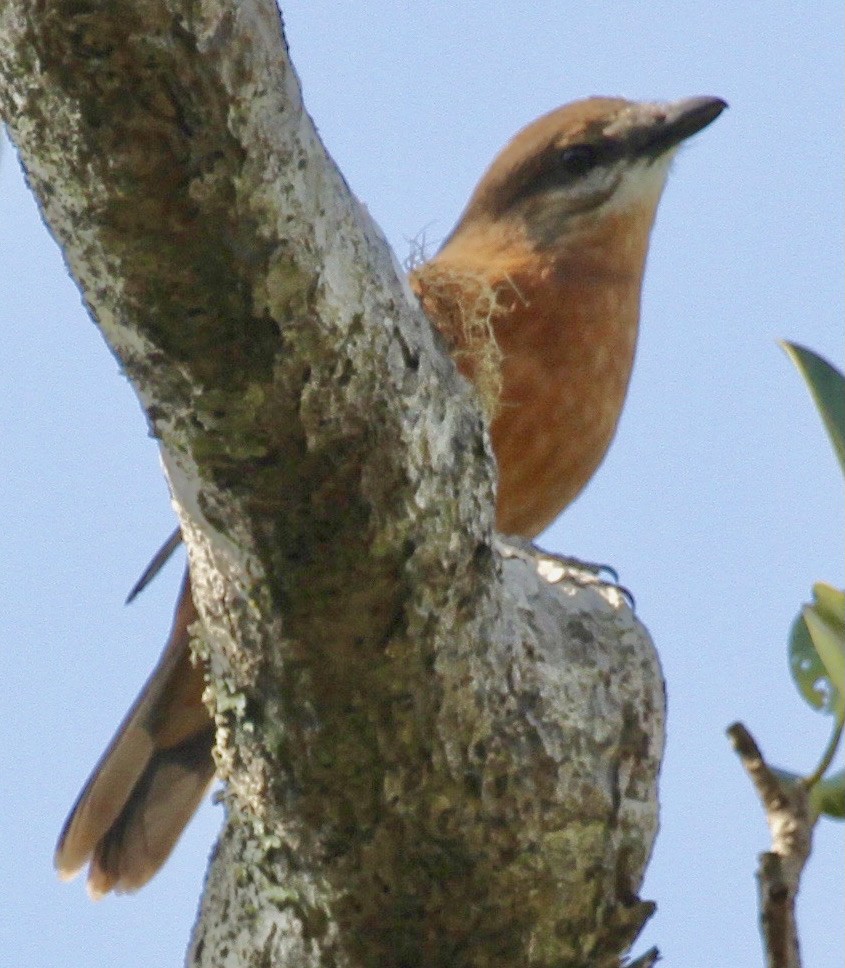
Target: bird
[536, 292]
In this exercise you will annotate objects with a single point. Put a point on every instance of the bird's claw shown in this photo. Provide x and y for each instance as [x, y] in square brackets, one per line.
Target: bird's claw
[555, 568]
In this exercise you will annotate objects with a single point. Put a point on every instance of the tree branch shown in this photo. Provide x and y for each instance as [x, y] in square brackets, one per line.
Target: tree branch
[434, 756]
[790, 820]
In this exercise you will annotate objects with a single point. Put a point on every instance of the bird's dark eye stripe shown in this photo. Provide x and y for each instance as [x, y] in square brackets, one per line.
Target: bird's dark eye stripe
[558, 167]
[578, 159]
[583, 156]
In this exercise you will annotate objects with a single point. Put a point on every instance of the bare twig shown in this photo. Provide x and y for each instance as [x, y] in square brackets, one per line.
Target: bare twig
[790, 819]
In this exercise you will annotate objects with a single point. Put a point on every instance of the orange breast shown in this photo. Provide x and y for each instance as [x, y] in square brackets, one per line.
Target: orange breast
[565, 326]
[567, 353]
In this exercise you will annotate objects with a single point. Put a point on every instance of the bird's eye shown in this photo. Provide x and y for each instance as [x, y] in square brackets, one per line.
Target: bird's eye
[578, 159]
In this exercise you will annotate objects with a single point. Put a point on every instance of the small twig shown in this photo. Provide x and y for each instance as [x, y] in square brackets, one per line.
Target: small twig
[790, 820]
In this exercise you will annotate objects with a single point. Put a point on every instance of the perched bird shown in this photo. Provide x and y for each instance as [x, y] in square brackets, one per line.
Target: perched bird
[537, 293]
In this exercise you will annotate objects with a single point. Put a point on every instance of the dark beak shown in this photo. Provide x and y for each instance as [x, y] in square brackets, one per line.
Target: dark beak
[674, 123]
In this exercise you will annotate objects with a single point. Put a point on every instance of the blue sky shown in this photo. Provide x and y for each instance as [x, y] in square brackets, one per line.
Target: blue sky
[719, 503]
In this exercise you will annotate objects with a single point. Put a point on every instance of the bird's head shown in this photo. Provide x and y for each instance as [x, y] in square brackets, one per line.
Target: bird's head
[585, 163]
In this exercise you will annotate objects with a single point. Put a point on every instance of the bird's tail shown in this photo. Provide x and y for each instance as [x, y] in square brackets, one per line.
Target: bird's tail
[150, 780]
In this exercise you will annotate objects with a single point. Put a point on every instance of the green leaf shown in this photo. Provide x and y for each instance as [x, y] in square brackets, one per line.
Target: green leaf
[808, 671]
[828, 795]
[817, 650]
[829, 643]
[830, 603]
[827, 386]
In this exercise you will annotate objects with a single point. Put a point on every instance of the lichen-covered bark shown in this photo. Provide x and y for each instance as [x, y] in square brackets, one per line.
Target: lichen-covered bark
[505, 814]
[434, 756]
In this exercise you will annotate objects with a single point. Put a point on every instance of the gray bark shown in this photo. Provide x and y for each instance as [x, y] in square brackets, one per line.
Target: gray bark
[434, 754]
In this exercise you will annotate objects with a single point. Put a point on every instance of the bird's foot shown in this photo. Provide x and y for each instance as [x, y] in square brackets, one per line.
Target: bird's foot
[555, 568]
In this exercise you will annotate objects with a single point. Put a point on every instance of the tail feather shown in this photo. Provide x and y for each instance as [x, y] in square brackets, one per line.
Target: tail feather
[158, 562]
[103, 798]
[162, 802]
[151, 778]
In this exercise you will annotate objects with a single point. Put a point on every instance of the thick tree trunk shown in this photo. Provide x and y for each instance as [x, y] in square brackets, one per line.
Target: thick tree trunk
[435, 755]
